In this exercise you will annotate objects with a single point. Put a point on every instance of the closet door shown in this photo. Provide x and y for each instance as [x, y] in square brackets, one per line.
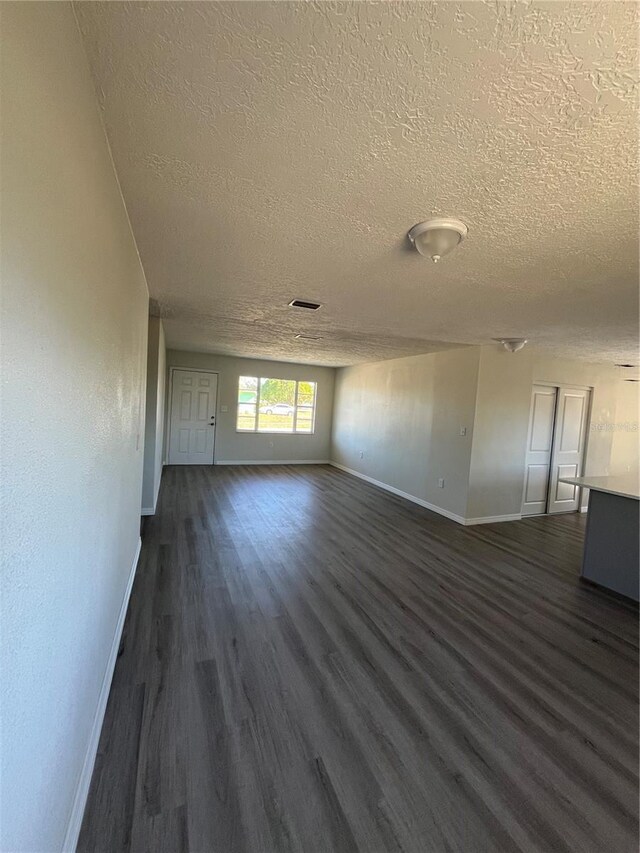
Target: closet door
[568, 448]
[539, 449]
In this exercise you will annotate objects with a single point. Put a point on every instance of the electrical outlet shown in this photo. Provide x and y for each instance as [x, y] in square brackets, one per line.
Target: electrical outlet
[270, 444]
[224, 408]
[362, 454]
[441, 482]
[463, 430]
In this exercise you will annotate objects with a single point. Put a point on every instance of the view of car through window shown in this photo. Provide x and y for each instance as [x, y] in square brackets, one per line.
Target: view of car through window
[275, 405]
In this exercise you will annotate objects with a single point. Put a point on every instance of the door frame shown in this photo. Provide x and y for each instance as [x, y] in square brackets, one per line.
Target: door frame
[170, 406]
[572, 387]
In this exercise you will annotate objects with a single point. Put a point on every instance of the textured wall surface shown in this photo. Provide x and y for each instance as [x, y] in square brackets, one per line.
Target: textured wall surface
[502, 423]
[274, 150]
[625, 443]
[155, 415]
[404, 416]
[74, 325]
[232, 446]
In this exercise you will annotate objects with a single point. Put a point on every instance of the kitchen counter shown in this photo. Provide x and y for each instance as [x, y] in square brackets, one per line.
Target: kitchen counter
[612, 540]
[626, 486]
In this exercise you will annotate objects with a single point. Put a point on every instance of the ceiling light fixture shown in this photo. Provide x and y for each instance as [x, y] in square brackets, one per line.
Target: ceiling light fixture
[512, 344]
[305, 303]
[437, 237]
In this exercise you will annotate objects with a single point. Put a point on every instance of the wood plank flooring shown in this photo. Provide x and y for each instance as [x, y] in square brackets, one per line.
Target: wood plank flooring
[311, 664]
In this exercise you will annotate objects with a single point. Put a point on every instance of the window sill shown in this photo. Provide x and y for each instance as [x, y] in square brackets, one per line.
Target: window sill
[269, 432]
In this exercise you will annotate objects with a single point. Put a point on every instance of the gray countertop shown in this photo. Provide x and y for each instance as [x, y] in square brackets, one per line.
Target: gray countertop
[625, 486]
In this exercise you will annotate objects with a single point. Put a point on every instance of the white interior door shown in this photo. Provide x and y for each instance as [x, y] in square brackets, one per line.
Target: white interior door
[192, 417]
[568, 448]
[539, 449]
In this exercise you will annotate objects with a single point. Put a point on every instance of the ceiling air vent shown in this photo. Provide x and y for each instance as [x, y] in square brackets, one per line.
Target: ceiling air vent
[308, 337]
[302, 303]
[625, 365]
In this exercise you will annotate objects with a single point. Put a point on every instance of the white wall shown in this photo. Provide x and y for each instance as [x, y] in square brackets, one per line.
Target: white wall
[74, 325]
[404, 416]
[232, 446]
[502, 422]
[155, 415]
[625, 442]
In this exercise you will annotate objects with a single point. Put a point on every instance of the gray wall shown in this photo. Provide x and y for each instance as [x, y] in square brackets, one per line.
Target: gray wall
[625, 442]
[232, 446]
[74, 329]
[404, 416]
[502, 422]
[155, 415]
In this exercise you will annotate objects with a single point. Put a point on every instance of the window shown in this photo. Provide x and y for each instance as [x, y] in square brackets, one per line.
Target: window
[275, 405]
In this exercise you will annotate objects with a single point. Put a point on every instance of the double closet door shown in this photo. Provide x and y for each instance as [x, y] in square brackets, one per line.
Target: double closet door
[555, 448]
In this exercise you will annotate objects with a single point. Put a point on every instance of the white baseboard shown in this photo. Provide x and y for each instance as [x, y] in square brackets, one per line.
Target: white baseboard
[151, 510]
[584, 508]
[400, 493]
[273, 462]
[82, 788]
[492, 519]
[467, 522]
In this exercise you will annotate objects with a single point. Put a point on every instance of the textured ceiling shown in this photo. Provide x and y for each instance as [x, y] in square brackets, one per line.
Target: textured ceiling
[268, 151]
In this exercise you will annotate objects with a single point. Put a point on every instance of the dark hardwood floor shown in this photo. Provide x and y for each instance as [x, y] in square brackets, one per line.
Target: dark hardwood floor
[312, 664]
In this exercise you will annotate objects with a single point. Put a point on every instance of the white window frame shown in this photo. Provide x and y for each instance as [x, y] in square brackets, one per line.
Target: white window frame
[294, 428]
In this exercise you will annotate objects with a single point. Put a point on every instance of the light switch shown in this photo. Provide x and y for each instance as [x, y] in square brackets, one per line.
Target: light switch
[463, 430]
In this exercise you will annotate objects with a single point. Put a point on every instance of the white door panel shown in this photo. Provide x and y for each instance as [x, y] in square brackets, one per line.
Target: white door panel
[568, 448]
[544, 401]
[539, 447]
[192, 417]
[537, 482]
[571, 421]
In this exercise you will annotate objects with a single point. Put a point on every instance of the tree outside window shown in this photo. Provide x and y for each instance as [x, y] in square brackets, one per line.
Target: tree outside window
[275, 405]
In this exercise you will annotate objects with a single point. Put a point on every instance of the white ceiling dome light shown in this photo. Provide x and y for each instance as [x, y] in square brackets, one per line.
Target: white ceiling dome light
[512, 344]
[437, 237]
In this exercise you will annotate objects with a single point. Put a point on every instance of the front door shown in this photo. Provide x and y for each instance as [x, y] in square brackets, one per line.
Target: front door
[192, 417]
[568, 448]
